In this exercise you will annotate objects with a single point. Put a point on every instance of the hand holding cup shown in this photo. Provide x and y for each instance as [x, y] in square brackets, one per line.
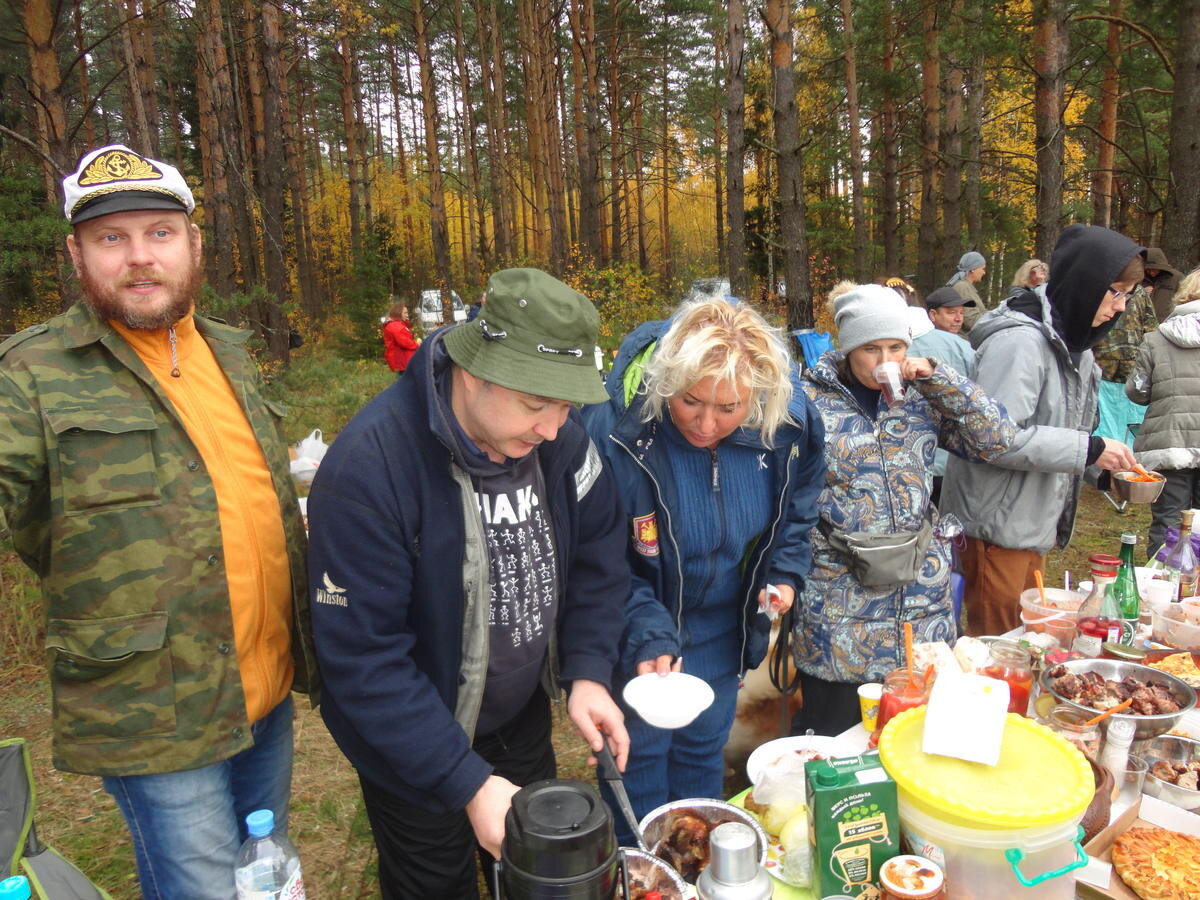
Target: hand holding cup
[891, 382]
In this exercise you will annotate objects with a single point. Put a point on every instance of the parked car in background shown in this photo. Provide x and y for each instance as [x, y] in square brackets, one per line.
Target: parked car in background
[707, 289]
[430, 308]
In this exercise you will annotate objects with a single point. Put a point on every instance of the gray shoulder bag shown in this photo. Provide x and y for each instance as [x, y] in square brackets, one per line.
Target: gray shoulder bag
[890, 560]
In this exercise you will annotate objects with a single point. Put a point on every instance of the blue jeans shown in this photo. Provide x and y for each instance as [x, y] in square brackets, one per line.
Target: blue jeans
[679, 764]
[187, 826]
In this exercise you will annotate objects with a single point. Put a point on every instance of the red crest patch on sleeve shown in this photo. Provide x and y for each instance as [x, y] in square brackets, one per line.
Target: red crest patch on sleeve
[645, 534]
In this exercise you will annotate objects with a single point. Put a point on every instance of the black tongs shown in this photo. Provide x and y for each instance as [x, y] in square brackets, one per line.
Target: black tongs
[612, 777]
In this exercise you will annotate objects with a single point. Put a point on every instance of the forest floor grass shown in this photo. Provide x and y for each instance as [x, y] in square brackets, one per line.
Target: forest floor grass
[327, 820]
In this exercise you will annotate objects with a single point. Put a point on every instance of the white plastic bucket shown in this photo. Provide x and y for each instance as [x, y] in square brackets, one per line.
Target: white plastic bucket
[989, 864]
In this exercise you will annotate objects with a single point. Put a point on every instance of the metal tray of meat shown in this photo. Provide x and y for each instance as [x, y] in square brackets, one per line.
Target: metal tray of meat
[1147, 726]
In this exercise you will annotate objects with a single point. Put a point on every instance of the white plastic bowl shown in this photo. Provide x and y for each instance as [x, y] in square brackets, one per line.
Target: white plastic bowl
[668, 701]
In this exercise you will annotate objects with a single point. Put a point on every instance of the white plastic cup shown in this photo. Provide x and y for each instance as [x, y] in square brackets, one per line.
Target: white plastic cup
[887, 376]
[869, 696]
[1159, 594]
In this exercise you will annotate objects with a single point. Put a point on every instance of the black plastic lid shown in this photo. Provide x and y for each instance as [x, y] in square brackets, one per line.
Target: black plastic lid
[558, 828]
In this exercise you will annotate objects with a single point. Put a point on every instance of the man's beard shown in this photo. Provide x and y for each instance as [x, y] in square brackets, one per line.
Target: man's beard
[107, 302]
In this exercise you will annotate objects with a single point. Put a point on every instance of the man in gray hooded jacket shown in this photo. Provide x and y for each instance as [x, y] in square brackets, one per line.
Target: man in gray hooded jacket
[1034, 355]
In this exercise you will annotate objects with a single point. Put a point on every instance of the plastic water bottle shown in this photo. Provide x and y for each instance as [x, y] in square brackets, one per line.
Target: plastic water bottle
[14, 888]
[268, 866]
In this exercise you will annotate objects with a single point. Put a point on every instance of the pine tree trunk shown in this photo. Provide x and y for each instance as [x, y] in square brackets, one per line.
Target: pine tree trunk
[858, 213]
[639, 186]
[474, 250]
[616, 136]
[439, 233]
[792, 233]
[664, 218]
[889, 120]
[346, 69]
[586, 97]
[1181, 231]
[1104, 175]
[1049, 63]
[548, 56]
[46, 87]
[81, 65]
[976, 89]
[293, 147]
[270, 169]
[927, 228]
[735, 90]
[718, 117]
[402, 166]
[952, 144]
[141, 33]
[212, 65]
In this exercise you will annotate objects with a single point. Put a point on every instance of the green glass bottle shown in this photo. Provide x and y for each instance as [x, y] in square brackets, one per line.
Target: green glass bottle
[1125, 588]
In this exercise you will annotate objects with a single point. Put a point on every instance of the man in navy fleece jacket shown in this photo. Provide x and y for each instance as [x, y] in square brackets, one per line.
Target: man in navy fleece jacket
[467, 557]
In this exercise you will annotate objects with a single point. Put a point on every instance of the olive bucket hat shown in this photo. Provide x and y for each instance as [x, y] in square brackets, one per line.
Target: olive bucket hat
[533, 334]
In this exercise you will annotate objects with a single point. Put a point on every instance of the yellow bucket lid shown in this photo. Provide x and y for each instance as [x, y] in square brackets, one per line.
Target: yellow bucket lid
[1042, 779]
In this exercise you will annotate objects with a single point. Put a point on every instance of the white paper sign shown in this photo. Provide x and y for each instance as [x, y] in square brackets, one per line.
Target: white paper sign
[965, 718]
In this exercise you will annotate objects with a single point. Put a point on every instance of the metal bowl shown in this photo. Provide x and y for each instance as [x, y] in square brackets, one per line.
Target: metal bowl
[654, 873]
[1115, 670]
[1137, 491]
[654, 824]
[1173, 749]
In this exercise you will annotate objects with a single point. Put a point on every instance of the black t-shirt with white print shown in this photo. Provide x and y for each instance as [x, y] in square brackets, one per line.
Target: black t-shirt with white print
[524, 585]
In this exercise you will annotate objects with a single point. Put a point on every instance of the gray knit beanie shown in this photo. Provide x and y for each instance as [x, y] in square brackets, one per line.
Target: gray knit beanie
[870, 312]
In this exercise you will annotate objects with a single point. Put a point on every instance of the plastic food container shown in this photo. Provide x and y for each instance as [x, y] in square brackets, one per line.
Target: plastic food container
[991, 834]
[1056, 618]
[1172, 626]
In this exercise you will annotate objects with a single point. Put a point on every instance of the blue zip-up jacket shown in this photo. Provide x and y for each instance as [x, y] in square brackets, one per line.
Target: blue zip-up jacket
[401, 586]
[636, 452]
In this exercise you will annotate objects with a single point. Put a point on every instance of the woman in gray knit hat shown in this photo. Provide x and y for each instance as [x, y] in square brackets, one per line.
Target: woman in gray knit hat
[850, 616]
[971, 269]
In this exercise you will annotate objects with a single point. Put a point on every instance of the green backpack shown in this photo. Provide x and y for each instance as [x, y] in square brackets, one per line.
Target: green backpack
[50, 876]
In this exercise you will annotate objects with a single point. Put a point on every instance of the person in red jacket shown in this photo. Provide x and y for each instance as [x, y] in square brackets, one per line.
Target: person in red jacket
[398, 342]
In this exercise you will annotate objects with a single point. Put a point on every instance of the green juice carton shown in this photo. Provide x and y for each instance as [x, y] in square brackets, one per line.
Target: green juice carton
[853, 824]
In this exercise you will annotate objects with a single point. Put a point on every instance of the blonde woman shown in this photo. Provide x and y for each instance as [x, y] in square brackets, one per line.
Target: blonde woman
[718, 461]
[1031, 273]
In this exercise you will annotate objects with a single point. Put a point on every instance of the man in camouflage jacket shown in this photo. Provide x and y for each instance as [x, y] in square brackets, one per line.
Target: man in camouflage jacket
[1115, 355]
[111, 494]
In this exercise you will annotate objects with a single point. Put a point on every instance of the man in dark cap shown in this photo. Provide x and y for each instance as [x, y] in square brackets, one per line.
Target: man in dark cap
[144, 479]
[1034, 354]
[468, 559]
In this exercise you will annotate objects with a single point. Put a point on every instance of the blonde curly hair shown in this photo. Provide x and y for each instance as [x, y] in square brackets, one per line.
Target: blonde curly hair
[731, 343]
[1189, 288]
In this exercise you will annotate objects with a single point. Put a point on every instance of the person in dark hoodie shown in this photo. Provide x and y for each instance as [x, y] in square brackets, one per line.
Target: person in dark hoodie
[1034, 354]
[718, 459]
[466, 551]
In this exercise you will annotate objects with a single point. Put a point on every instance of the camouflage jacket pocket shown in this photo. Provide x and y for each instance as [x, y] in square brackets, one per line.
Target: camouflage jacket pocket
[112, 677]
[105, 457]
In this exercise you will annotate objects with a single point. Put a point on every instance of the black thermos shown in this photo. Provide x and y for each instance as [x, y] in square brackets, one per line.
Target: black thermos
[559, 844]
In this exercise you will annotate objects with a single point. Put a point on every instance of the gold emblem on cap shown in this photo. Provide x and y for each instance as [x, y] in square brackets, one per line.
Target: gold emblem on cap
[118, 165]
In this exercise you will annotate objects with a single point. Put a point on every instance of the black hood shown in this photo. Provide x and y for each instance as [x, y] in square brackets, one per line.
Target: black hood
[1087, 260]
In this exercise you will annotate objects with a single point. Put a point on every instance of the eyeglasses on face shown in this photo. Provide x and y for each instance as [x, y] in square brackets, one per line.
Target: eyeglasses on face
[1118, 294]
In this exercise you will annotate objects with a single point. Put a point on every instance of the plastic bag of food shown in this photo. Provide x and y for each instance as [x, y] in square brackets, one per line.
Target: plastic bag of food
[780, 790]
[796, 866]
[308, 455]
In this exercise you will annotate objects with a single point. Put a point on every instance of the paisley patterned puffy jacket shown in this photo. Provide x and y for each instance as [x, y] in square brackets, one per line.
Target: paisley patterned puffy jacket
[879, 480]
